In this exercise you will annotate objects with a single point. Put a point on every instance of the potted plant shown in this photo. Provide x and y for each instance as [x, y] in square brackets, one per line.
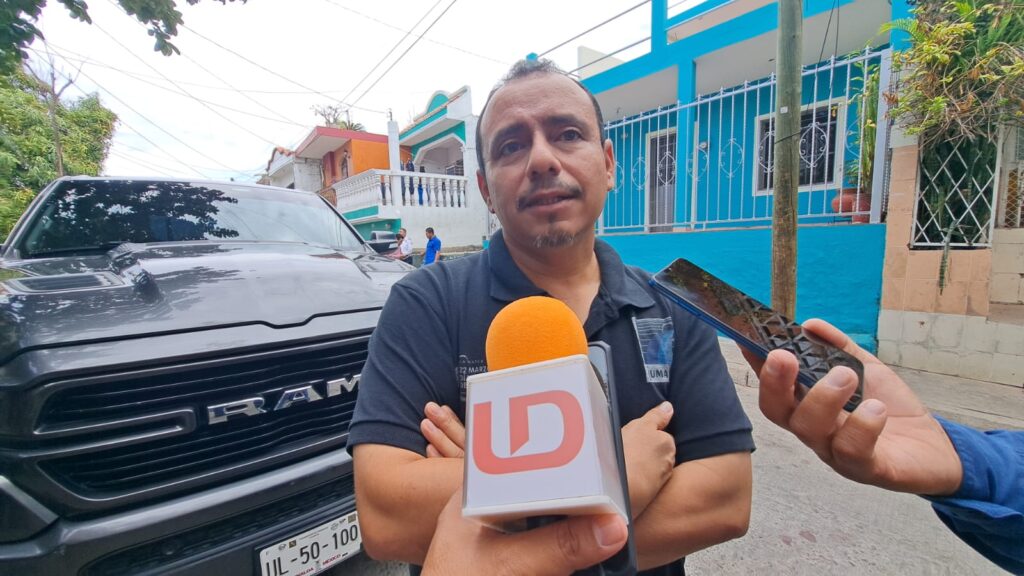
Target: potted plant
[859, 171]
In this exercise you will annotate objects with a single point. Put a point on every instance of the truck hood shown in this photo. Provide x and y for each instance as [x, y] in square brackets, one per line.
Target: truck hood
[144, 289]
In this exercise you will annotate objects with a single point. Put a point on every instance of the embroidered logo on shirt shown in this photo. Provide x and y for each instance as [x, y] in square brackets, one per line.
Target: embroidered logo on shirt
[656, 337]
[466, 368]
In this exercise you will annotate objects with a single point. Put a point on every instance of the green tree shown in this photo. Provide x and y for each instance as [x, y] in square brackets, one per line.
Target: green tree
[27, 155]
[18, 29]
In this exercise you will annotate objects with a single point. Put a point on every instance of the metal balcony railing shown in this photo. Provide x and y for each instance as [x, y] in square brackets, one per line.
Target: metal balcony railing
[400, 188]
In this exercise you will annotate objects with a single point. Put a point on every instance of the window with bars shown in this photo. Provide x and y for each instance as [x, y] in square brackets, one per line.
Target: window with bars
[954, 200]
[819, 127]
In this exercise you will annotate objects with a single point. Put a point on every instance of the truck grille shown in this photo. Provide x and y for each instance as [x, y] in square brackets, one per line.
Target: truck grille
[243, 445]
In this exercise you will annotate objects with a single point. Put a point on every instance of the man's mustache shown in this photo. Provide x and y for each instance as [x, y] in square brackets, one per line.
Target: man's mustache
[548, 185]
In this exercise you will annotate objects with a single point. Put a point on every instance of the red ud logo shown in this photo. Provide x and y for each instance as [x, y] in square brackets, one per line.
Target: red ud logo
[519, 434]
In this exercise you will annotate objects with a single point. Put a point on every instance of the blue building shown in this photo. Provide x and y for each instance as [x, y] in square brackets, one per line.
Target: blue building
[691, 122]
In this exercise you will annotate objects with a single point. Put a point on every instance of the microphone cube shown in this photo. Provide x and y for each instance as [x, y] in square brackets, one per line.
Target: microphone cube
[540, 441]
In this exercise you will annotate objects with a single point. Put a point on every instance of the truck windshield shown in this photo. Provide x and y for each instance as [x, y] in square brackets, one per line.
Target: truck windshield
[98, 214]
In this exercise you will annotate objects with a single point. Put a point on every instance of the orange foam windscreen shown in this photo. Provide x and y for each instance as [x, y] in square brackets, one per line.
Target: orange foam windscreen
[531, 330]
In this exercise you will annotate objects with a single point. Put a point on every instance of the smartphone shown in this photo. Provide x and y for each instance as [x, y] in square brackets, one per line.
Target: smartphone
[753, 325]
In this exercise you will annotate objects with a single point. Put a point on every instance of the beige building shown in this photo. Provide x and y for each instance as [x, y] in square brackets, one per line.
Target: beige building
[973, 326]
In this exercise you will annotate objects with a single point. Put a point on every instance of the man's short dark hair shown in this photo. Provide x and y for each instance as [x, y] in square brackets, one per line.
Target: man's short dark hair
[523, 69]
[429, 229]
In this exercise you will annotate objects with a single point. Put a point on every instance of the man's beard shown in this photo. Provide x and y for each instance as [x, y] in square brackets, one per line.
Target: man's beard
[554, 239]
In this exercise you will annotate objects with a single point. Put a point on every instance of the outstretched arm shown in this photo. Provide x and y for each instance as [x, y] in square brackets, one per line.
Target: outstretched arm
[890, 440]
[974, 479]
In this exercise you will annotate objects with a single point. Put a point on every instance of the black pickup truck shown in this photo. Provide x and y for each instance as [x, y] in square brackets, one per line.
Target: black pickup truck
[179, 362]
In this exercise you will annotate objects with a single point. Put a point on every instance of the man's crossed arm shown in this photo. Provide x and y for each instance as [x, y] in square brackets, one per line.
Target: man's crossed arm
[676, 509]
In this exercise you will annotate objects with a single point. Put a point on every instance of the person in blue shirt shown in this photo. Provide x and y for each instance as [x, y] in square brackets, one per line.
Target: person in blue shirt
[433, 247]
[974, 479]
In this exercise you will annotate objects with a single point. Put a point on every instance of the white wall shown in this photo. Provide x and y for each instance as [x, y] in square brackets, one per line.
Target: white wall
[307, 175]
[282, 178]
[454, 226]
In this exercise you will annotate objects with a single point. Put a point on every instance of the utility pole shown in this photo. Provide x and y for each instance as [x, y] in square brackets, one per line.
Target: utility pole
[47, 84]
[786, 171]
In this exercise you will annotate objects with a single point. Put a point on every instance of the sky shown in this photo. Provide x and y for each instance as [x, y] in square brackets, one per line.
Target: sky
[249, 74]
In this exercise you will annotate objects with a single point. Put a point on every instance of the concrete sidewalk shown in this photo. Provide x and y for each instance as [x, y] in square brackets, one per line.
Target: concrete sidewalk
[984, 405]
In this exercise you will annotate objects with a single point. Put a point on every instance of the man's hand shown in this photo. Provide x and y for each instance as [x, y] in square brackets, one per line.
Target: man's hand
[462, 546]
[890, 440]
[650, 455]
[444, 432]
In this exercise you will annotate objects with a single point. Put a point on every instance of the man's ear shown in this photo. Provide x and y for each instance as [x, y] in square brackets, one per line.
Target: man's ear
[609, 163]
[484, 191]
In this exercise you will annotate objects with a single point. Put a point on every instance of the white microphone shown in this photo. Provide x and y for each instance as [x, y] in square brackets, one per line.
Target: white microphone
[541, 437]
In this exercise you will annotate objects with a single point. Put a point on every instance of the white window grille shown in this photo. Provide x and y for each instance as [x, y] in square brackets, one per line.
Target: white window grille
[955, 201]
[819, 133]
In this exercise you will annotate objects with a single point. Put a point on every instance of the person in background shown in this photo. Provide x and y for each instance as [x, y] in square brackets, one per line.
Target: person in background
[410, 167]
[433, 247]
[404, 250]
[420, 185]
[974, 479]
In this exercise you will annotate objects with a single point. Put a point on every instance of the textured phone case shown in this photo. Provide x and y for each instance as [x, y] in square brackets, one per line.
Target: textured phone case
[774, 331]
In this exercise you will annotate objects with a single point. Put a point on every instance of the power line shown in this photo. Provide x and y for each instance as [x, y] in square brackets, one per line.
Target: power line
[161, 170]
[281, 76]
[243, 94]
[609, 55]
[204, 104]
[391, 51]
[180, 93]
[402, 55]
[591, 29]
[139, 133]
[158, 147]
[204, 69]
[431, 40]
[94, 62]
[162, 129]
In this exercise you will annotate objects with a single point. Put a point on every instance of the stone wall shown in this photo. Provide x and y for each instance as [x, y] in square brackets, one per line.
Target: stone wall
[1008, 266]
[947, 330]
[968, 346]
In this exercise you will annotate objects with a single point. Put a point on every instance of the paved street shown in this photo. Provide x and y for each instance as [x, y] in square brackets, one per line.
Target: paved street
[808, 520]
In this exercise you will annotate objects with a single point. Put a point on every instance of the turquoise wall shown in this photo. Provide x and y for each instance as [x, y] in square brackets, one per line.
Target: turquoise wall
[366, 228]
[839, 268]
[459, 130]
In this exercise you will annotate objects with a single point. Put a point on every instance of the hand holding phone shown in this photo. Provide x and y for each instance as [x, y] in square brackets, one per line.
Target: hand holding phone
[753, 325]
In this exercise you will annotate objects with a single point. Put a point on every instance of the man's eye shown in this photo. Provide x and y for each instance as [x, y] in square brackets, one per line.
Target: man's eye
[509, 148]
[571, 135]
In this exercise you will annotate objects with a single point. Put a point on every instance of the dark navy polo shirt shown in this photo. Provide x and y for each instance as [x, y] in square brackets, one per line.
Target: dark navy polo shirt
[431, 336]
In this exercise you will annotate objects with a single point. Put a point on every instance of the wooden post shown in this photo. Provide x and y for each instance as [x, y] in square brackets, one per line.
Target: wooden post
[786, 172]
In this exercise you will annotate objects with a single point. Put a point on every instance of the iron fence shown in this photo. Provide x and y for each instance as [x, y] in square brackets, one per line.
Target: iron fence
[708, 163]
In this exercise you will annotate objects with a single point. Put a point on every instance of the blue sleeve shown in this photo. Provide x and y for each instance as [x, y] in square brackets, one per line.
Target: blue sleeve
[987, 512]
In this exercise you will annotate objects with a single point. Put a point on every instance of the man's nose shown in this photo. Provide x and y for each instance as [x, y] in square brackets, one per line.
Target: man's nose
[543, 158]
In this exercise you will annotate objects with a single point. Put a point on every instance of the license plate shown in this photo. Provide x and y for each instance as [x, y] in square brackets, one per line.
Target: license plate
[313, 550]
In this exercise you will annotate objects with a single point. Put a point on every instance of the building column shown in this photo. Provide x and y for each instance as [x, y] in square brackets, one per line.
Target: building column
[394, 157]
[659, 15]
